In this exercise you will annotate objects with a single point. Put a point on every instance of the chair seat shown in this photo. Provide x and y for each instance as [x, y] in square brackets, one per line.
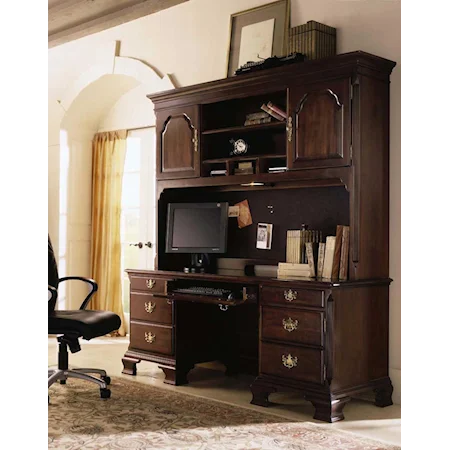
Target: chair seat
[84, 323]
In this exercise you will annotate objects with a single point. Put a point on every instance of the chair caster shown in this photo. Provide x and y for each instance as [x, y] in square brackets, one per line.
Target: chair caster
[106, 379]
[105, 393]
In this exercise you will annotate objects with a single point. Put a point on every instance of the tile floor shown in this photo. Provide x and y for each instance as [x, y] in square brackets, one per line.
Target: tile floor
[361, 417]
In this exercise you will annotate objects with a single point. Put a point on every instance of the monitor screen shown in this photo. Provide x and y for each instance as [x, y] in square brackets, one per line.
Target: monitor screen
[197, 227]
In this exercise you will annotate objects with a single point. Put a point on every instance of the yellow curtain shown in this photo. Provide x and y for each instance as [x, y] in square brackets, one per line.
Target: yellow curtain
[108, 161]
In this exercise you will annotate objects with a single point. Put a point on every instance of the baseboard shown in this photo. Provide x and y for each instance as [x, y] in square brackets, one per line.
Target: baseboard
[396, 378]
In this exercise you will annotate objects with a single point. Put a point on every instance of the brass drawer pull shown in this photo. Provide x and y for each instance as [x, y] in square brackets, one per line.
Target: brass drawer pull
[150, 283]
[149, 307]
[149, 337]
[289, 361]
[289, 324]
[290, 295]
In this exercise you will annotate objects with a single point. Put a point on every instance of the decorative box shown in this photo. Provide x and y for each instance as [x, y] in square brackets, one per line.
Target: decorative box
[315, 40]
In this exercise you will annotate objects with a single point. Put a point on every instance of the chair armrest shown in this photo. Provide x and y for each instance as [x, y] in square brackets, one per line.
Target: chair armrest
[94, 288]
[52, 300]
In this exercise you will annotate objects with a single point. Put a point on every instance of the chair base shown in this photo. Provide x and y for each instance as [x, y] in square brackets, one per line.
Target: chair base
[82, 374]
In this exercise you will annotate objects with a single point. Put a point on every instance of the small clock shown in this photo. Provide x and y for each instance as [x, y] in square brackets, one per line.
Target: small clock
[240, 147]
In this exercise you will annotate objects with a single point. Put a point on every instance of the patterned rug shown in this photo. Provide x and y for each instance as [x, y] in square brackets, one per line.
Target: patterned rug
[140, 416]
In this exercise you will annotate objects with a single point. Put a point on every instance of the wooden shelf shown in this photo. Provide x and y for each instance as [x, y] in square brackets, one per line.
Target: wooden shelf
[242, 158]
[258, 127]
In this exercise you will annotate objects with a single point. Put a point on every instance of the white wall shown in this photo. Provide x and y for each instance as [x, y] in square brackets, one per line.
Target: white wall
[190, 42]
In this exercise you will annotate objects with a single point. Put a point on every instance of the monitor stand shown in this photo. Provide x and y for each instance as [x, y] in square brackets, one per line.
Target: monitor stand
[199, 263]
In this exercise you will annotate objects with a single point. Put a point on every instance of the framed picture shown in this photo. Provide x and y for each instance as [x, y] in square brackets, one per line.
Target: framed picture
[258, 33]
[264, 236]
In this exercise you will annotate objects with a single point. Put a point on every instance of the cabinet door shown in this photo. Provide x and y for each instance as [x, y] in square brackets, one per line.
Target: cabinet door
[177, 143]
[319, 125]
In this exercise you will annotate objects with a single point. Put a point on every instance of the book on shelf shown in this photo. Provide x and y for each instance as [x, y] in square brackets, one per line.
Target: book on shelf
[276, 169]
[343, 266]
[337, 253]
[312, 250]
[273, 113]
[243, 171]
[295, 244]
[277, 109]
[257, 121]
[257, 118]
[329, 255]
[218, 172]
[293, 277]
[257, 115]
[290, 270]
[293, 267]
[320, 259]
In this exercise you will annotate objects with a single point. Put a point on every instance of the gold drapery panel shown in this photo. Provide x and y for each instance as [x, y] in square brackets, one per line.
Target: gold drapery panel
[108, 158]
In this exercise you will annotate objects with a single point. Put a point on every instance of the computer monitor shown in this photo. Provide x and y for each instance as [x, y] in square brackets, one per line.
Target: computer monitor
[197, 228]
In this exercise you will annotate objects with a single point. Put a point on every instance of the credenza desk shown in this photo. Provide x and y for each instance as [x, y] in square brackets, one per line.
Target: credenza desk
[327, 340]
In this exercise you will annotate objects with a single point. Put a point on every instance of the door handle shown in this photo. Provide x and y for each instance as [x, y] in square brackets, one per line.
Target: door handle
[138, 244]
[148, 244]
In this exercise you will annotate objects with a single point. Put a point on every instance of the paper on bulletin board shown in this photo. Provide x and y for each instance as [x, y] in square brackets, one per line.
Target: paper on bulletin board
[245, 217]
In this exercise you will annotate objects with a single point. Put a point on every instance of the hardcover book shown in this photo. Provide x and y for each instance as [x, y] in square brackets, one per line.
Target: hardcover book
[343, 267]
[337, 253]
[329, 255]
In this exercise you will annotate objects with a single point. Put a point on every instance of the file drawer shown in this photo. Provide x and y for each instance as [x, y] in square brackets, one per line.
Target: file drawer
[151, 338]
[293, 325]
[292, 296]
[150, 308]
[297, 363]
[148, 284]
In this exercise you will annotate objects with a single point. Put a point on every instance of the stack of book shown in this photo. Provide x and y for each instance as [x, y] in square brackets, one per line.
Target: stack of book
[244, 168]
[291, 271]
[257, 118]
[275, 111]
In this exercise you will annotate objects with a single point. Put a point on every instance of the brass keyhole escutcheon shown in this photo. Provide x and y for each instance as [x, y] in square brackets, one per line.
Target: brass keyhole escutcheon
[150, 283]
[149, 307]
[149, 337]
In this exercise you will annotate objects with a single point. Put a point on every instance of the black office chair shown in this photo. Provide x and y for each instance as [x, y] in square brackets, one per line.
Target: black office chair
[69, 326]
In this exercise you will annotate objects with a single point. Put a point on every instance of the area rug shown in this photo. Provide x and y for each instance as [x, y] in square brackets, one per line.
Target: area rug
[140, 416]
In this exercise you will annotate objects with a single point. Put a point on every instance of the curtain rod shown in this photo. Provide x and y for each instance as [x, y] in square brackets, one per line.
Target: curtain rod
[141, 128]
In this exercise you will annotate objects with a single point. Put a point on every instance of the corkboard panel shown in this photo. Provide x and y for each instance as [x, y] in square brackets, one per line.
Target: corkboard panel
[320, 208]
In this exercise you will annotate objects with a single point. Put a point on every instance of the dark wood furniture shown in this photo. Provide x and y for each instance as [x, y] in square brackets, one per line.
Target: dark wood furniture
[323, 338]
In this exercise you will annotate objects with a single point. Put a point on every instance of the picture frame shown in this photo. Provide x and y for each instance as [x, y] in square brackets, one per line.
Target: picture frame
[264, 236]
[258, 33]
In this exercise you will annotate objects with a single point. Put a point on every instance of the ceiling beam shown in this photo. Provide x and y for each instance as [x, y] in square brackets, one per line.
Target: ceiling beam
[74, 23]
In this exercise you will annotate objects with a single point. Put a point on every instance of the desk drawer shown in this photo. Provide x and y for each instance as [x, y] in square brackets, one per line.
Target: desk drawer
[293, 325]
[292, 296]
[150, 308]
[304, 364]
[151, 338]
[148, 284]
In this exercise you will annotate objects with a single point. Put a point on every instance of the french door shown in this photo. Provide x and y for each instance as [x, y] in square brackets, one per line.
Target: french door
[138, 210]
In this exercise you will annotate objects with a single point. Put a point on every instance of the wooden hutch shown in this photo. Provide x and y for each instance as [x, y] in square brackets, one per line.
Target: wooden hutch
[335, 145]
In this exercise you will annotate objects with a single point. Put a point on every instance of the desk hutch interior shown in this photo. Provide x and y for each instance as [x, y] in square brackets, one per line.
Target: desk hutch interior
[335, 146]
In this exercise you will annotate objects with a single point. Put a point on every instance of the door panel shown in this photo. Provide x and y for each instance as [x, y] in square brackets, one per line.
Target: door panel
[320, 125]
[178, 144]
